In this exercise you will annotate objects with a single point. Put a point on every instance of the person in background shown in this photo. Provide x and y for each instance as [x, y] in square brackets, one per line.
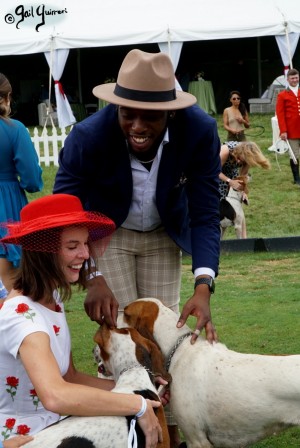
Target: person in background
[288, 115]
[151, 162]
[36, 366]
[236, 118]
[19, 172]
[236, 159]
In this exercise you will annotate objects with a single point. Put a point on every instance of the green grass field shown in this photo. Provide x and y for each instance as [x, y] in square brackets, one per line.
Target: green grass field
[256, 306]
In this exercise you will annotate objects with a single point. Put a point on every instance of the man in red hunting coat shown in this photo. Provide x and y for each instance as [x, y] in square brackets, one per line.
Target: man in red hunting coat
[288, 115]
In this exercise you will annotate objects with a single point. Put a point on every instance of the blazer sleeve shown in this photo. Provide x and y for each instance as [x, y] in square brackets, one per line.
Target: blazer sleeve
[70, 177]
[204, 199]
[190, 209]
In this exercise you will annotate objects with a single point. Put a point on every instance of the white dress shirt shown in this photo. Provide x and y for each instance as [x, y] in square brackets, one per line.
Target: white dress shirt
[143, 215]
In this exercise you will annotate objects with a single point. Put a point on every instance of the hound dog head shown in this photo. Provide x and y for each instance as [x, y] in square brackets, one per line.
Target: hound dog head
[126, 347]
[154, 321]
[129, 342]
[244, 180]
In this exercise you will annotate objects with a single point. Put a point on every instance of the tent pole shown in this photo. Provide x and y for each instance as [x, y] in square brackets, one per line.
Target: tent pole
[288, 45]
[169, 43]
[259, 66]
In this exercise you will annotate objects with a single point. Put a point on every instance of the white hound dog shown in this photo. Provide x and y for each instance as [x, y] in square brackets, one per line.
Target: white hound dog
[124, 353]
[220, 398]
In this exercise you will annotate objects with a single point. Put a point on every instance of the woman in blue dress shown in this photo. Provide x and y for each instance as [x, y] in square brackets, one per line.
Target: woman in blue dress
[19, 172]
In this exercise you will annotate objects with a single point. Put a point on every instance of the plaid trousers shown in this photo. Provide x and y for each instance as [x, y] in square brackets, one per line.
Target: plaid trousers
[143, 264]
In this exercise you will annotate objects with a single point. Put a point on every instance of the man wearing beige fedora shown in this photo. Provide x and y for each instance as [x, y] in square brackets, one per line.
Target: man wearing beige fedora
[150, 161]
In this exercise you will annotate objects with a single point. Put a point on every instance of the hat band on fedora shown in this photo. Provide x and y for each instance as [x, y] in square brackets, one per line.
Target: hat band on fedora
[144, 95]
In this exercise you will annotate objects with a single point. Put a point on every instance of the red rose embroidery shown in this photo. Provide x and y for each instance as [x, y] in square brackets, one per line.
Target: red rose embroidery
[9, 425]
[56, 330]
[35, 398]
[24, 309]
[13, 384]
[12, 381]
[22, 430]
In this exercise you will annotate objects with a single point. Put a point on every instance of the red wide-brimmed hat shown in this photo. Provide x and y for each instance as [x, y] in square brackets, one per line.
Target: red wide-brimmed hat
[40, 218]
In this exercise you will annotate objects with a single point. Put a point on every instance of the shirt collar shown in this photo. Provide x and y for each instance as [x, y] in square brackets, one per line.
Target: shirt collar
[166, 137]
[294, 89]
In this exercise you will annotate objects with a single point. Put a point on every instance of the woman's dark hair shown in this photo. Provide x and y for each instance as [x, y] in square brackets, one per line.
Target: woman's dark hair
[242, 107]
[40, 274]
[5, 92]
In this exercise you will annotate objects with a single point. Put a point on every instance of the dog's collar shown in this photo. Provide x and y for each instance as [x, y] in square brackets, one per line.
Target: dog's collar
[136, 366]
[178, 343]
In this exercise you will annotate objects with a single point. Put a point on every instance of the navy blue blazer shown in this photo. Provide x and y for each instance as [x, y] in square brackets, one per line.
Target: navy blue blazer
[95, 166]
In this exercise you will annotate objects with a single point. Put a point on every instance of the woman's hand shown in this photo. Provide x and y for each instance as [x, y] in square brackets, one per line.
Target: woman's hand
[236, 184]
[16, 442]
[150, 425]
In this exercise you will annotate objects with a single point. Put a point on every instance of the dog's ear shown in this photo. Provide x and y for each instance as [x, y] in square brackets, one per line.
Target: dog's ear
[157, 361]
[101, 337]
[141, 315]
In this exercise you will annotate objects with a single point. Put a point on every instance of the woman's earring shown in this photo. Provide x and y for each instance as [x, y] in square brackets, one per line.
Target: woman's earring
[171, 114]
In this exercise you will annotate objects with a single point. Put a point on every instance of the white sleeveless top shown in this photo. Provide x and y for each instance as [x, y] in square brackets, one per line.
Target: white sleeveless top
[21, 411]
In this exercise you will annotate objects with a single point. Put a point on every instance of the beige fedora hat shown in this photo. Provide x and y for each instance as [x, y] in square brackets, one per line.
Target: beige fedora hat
[145, 81]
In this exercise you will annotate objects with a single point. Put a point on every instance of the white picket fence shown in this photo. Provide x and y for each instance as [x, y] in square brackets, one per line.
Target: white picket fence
[47, 144]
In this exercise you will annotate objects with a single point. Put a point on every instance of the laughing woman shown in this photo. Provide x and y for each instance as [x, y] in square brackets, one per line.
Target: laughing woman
[38, 381]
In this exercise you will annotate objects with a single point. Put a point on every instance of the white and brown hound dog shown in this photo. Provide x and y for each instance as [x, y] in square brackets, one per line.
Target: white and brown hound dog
[130, 359]
[220, 398]
[231, 209]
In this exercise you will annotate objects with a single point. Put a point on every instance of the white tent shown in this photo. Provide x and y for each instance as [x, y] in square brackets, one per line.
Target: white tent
[65, 24]
[34, 27]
